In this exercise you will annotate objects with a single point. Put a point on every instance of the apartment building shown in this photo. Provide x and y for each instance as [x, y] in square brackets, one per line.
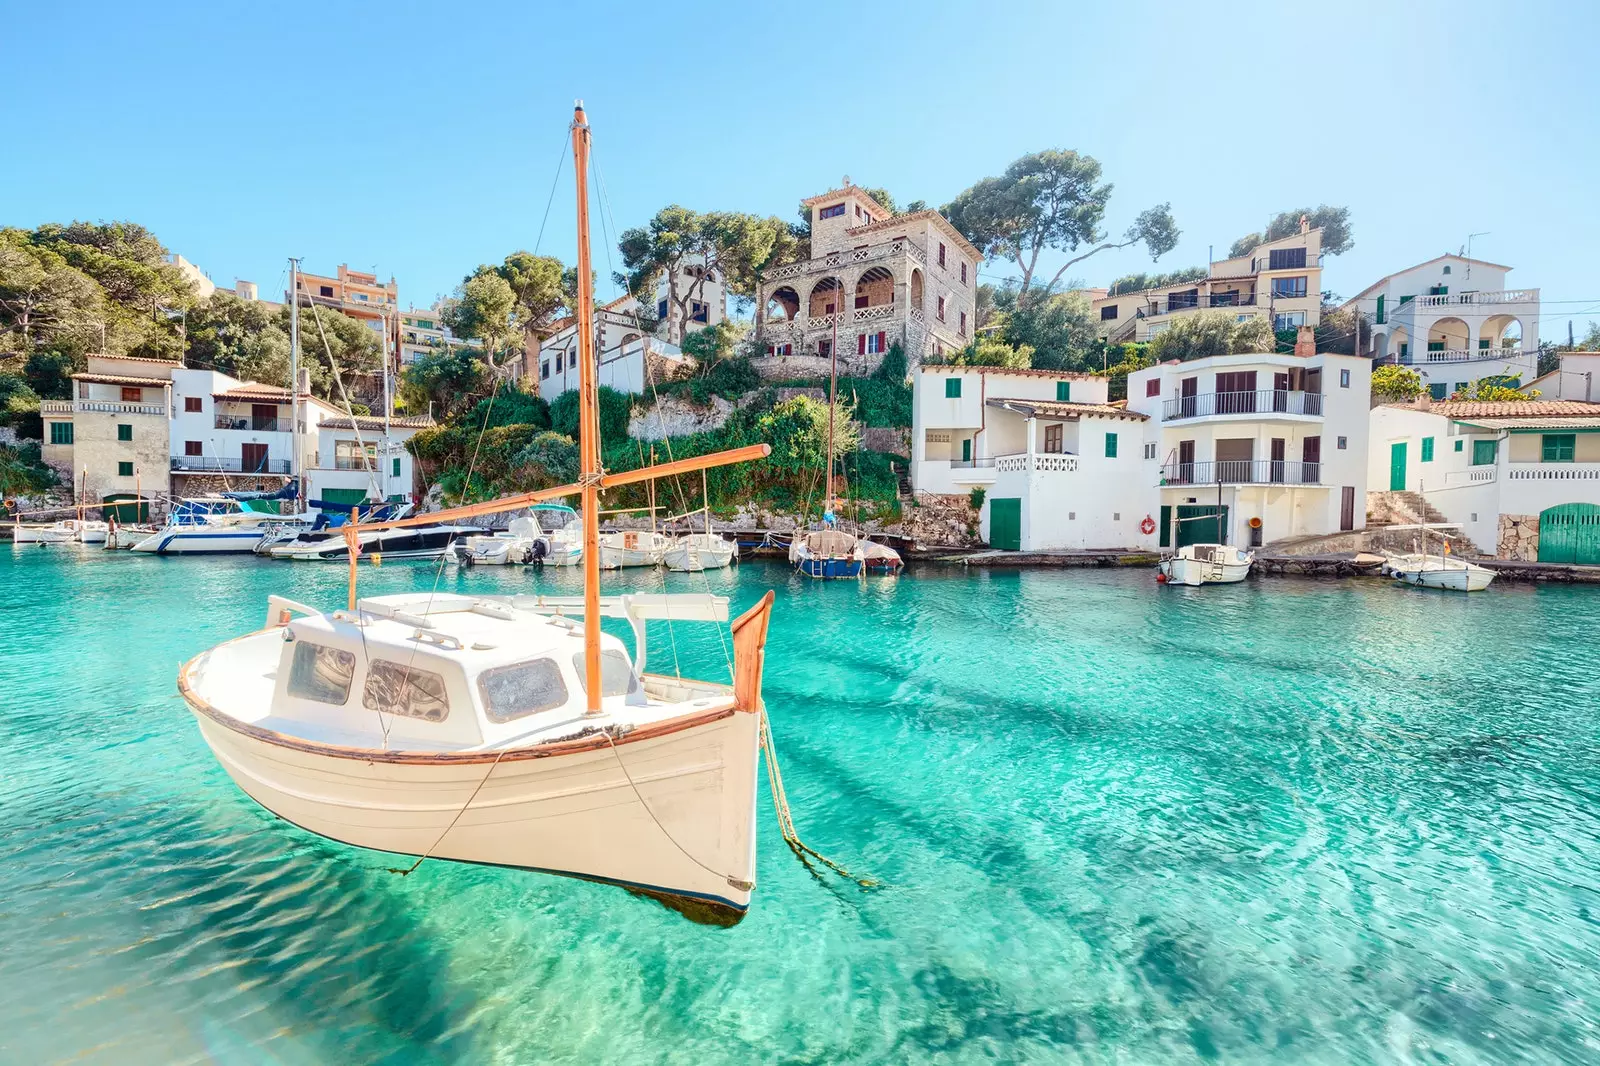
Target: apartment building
[110, 439]
[1280, 280]
[872, 280]
[1455, 321]
[423, 331]
[1252, 448]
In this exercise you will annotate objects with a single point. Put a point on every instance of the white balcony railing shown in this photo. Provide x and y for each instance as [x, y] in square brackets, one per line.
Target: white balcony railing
[1473, 299]
[1476, 475]
[114, 407]
[1473, 355]
[1042, 462]
[1553, 472]
[55, 407]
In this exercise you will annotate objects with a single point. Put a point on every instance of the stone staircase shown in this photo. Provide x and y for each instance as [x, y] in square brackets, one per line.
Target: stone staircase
[1402, 509]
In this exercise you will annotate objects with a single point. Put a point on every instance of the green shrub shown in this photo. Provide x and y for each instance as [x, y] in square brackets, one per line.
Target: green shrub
[975, 497]
[615, 410]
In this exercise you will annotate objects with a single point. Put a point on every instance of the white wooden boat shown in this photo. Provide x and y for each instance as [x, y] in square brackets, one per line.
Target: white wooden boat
[505, 731]
[693, 552]
[122, 537]
[43, 532]
[90, 531]
[516, 544]
[1435, 572]
[632, 548]
[827, 553]
[1206, 564]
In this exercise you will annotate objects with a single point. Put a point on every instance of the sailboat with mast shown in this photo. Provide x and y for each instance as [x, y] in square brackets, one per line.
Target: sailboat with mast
[827, 551]
[508, 731]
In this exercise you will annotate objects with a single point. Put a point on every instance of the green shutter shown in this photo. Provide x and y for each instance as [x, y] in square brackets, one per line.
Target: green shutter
[396, 468]
[1559, 447]
[966, 450]
[1483, 342]
[1436, 346]
[1458, 445]
[1380, 311]
[952, 387]
[1111, 445]
[1483, 452]
[1437, 391]
[1166, 526]
[61, 433]
[124, 469]
[1063, 392]
[1427, 449]
[124, 431]
[1407, 299]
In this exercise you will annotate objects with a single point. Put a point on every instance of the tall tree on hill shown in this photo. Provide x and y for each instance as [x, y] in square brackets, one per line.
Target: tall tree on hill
[1051, 200]
[1334, 222]
[543, 290]
[43, 298]
[729, 245]
[483, 307]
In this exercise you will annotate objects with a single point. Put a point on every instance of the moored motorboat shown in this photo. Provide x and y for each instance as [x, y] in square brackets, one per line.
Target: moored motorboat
[216, 525]
[520, 543]
[1206, 564]
[561, 530]
[629, 547]
[330, 545]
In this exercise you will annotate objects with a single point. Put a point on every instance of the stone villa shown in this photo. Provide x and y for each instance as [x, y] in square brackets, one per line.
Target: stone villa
[871, 281]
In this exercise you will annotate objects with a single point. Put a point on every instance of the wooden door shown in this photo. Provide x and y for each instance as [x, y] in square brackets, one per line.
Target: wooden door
[1185, 461]
[1397, 466]
[1187, 390]
[254, 458]
[264, 417]
[1276, 470]
[1347, 507]
[1570, 533]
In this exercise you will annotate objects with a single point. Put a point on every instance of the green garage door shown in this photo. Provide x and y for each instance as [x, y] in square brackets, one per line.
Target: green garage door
[1570, 533]
[1198, 525]
[1005, 524]
[125, 512]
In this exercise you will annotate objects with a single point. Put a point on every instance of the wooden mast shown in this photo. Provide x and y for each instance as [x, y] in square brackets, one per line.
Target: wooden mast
[588, 420]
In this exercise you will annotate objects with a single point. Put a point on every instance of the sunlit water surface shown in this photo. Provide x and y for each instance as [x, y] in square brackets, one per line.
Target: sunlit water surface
[1283, 821]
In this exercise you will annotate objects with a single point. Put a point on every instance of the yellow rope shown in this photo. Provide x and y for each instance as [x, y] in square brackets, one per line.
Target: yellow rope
[780, 802]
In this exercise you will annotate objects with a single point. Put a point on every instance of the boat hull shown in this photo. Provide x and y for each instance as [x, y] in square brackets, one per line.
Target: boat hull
[644, 814]
[688, 558]
[829, 568]
[199, 540]
[1463, 580]
[1206, 565]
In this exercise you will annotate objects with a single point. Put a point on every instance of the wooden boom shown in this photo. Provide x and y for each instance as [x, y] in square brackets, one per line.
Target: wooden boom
[607, 481]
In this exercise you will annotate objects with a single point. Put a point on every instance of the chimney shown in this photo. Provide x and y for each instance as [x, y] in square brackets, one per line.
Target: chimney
[1305, 224]
[1425, 401]
[1305, 342]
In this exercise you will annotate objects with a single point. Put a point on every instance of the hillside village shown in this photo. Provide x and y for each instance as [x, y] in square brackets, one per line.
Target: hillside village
[1237, 402]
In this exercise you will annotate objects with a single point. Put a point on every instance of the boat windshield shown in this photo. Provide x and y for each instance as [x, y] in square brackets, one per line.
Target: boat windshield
[616, 673]
[552, 519]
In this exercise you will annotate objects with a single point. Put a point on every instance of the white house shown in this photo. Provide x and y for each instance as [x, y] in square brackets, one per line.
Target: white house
[355, 459]
[1455, 321]
[1061, 468]
[1276, 440]
[1521, 478]
[236, 429]
[1576, 377]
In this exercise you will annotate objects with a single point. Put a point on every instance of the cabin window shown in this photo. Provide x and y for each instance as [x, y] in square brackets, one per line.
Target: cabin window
[406, 691]
[616, 674]
[318, 672]
[512, 692]
[191, 404]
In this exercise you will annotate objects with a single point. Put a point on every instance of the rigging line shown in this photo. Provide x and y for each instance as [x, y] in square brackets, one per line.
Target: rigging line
[561, 158]
[456, 818]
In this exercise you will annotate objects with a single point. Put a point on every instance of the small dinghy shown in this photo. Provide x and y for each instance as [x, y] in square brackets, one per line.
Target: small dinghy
[1206, 564]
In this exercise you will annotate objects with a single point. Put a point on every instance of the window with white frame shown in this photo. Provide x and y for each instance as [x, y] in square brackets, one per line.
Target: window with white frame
[1289, 288]
[1288, 320]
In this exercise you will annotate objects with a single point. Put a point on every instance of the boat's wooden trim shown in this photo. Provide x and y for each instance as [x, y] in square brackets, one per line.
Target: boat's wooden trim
[750, 653]
[594, 742]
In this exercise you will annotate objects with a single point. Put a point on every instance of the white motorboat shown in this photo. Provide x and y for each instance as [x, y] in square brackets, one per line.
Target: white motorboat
[632, 548]
[561, 530]
[693, 552]
[1436, 572]
[503, 731]
[215, 525]
[517, 544]
[328, 545]
[1206, 564]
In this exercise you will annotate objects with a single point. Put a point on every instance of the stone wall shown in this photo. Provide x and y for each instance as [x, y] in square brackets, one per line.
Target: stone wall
[674, 416]
[209, 484]
[939, 521]
[1518, 538]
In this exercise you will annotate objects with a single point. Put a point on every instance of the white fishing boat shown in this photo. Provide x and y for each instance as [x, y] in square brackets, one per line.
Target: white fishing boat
[1449, 572]
[90, 531]
[516, 544]
[1206, 564]
[122, 537]
[505, 731]
[631, 547]
[693, 552]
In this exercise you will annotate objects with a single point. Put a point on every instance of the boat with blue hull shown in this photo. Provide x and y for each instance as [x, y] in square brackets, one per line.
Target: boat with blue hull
[827, 553]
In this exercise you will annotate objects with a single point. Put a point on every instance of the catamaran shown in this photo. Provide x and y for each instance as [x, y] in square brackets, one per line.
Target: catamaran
[508, 731]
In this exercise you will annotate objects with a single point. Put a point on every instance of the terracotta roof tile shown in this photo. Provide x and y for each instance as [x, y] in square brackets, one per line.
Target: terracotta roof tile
[1058, 375]
[1053, 409]
[376, 422]
[1506, 408]
[118, 379]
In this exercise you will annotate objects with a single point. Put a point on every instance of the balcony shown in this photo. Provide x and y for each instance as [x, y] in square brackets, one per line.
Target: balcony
[117, 407]
[846, 257]
[252, 424]
[1242, 472]
[55, 407]
[207, 464]
[1266, 403]
[1552, 472]
[354, 462]
[1039, 462]
[1175, 303]
[1473, 299]
[1472, 355]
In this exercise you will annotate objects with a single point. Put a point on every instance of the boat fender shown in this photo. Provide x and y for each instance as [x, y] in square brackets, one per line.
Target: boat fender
[1161, 578]
[1148, 526]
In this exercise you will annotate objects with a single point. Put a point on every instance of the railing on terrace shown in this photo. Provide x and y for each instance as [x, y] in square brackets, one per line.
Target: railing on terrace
[1043, 462]
[1242, 472]
[55, 407]
[847, 257]
[971, 464]
[1261, 402]
[115, 407]
[1552, 471]
[1170, 304]
[1471, 299]
[1469, 355]
[353, 462]
[1476, 475]
[255, 425]
[207, 464]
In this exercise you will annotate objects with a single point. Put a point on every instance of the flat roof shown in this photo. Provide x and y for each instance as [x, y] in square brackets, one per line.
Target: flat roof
[1069, 411]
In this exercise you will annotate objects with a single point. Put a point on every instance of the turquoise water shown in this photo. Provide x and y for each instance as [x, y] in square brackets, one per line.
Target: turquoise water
[1284, 821]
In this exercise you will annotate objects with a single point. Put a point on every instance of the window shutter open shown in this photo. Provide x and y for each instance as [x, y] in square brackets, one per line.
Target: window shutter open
[861, 344]
[881, 345]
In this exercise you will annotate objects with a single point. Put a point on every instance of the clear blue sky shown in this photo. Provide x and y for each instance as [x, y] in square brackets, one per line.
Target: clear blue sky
[422, 141]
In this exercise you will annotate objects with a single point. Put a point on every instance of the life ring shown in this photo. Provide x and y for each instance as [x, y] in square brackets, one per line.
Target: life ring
[1148, 526]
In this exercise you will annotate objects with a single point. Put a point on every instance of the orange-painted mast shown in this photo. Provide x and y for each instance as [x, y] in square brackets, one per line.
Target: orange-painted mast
[588, 420]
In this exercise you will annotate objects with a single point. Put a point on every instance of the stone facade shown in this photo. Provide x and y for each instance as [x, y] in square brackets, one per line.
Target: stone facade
[940, 521]
[1519, 538]
[870, 282]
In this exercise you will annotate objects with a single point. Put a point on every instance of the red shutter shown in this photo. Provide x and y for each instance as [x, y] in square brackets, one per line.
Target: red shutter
[861, 344]
[882, 347]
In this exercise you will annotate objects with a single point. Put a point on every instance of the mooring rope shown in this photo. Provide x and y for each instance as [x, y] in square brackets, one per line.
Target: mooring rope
[780, 802]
